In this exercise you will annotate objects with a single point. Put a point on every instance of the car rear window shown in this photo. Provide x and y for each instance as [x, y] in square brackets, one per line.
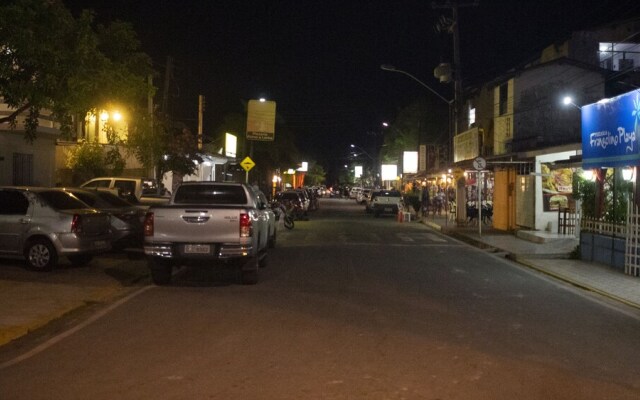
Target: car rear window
[60, 200]
[289, 196]
[388, 193]
[210, 194]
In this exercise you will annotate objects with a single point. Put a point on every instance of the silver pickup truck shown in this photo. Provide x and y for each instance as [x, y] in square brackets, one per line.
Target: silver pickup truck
[209, 223]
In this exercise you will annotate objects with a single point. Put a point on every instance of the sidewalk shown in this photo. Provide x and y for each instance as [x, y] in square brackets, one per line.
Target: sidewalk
[549, 254]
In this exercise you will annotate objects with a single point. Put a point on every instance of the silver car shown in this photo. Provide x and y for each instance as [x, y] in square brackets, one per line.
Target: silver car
[43, 224]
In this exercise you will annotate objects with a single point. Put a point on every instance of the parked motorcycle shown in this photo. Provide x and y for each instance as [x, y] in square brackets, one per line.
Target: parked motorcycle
[286, 211]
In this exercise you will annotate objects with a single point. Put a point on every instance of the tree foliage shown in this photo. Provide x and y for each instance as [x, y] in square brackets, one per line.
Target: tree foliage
[51, 60]
[422, 122]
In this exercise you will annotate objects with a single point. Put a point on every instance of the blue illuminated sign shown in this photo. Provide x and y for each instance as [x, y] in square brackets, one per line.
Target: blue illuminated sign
[610, 132]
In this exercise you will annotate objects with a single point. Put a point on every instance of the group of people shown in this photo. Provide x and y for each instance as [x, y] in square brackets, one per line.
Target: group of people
[435, 199]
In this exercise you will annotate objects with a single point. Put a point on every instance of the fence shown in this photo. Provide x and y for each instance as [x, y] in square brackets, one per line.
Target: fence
[632, 258]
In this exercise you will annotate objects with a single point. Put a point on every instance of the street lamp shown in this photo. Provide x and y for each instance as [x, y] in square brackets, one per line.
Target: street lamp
[453, 128]
[567, 100]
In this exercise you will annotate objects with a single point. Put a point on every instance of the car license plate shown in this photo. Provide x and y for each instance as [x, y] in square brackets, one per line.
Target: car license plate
[100, 243]
[388, 209]
[197, 248]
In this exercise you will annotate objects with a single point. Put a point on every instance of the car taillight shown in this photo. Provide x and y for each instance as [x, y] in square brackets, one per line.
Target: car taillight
[76, 224]
[148, 224]
[246, 229]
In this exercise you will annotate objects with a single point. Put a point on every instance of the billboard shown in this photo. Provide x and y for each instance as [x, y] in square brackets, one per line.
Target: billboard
[389, 172]
[261, 120]
[609, 132]
[410, 162]
[358, 171]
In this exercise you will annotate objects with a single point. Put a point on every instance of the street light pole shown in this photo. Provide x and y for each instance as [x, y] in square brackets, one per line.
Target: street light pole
[453, 121]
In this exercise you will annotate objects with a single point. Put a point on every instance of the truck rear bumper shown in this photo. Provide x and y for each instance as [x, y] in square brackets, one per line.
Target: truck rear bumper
[216, 251]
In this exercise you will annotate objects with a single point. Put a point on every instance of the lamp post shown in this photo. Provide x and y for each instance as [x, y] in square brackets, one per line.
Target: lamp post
[453, 121]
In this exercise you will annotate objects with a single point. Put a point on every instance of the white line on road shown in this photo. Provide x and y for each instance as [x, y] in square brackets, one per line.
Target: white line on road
[73, 330]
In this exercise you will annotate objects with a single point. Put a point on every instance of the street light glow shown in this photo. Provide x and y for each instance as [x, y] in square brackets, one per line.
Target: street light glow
[567, 100]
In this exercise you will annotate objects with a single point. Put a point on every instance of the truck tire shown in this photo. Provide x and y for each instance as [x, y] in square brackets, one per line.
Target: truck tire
[160, 272]
[249, 271]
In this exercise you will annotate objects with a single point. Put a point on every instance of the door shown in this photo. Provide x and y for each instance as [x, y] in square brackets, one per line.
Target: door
[15, 219]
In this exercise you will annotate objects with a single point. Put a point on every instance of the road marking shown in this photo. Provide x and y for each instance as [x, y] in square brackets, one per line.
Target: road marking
[404, 237]
[73, 330]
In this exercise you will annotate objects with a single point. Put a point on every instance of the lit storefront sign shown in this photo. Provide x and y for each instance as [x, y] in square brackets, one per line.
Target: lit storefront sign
[609, 132]
[410, 162]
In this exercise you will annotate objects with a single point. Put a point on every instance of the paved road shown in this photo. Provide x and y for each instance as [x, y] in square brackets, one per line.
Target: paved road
[350, 307]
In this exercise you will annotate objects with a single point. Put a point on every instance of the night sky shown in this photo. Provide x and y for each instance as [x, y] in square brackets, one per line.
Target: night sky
[320, 60]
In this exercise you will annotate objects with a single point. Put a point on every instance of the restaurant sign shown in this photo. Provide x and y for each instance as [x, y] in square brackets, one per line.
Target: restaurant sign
[610, 130]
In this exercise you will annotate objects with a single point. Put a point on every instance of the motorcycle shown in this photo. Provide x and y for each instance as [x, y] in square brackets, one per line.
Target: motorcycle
[286, 211]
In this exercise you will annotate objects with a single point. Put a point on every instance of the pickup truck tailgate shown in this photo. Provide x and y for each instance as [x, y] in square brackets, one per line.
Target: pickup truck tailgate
[198, 224]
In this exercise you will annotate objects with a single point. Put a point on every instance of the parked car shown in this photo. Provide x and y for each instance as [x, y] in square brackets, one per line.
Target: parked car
[295, 198]
[386, 202]
[271, 218]
[206, 224]
[361, 196]
[44, 224]
[132, 189]
[126, 218]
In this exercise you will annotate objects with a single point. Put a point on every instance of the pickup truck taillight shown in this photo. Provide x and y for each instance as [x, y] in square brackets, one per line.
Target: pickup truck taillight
[246, 229]
[148, 224]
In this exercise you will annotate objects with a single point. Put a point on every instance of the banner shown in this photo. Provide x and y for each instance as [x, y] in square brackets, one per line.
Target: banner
[609, 132]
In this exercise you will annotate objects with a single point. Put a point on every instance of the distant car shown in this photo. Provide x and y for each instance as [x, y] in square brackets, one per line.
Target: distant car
[126, 218]
[295, 198]
[361, 197]
[43, 224]
[386, 202]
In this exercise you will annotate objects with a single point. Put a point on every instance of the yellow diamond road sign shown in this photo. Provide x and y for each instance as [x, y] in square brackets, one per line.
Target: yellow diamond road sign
[247, 164]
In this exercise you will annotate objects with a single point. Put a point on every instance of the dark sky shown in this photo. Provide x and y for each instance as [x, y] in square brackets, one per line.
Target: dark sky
[320, 60]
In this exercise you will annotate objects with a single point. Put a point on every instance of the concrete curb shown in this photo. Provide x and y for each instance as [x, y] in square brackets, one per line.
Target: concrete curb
[573, 282]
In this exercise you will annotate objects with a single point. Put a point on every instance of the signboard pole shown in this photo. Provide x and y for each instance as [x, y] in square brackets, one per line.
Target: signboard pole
[479, 203]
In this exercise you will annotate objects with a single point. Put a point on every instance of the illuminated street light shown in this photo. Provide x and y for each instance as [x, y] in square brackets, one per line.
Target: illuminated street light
[567, 100]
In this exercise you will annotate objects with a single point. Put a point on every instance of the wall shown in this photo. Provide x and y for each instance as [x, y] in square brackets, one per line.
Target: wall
[542, 218]
[42, 149]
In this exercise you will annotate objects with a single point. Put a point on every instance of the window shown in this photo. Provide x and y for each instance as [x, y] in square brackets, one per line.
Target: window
[13, 203]
[210, 194]
[504, 93]
[22, 169]
[472, 116]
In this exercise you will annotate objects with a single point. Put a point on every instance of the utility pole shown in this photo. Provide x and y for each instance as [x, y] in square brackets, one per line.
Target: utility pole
[452, 28]
[200, 115]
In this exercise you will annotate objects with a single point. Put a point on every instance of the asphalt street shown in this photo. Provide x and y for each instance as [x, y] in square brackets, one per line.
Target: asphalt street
[350, 306]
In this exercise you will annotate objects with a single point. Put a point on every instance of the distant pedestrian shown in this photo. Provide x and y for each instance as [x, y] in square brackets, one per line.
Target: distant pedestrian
[424, 201]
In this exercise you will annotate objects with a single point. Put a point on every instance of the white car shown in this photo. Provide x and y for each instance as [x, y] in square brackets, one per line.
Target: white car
[362, 195]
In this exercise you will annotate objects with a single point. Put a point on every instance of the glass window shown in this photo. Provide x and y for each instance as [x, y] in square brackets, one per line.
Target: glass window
[13, 203]
[210, 194]
[59, 200]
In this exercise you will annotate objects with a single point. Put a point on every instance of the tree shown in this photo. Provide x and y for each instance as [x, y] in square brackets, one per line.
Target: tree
[316, 175]
[49, 60]
[422, 122]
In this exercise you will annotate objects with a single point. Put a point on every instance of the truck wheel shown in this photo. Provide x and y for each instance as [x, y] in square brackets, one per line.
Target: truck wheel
[41, 255]
[249, 272]
[160, 272]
